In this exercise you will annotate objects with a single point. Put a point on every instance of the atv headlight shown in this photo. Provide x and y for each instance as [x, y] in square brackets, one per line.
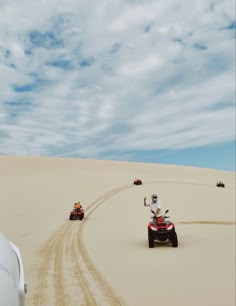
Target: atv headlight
[169, 227]
[153, 228]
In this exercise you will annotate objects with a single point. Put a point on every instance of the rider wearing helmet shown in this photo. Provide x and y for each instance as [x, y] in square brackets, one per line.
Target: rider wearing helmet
[155, 206]
[77, 206]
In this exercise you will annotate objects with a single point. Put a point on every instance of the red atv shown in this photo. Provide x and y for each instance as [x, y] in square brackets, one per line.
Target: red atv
[220, 184]
[162, 230]
[77, 213]
[137, 181]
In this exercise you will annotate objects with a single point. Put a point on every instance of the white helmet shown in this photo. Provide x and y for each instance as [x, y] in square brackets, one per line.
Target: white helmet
[154, 197]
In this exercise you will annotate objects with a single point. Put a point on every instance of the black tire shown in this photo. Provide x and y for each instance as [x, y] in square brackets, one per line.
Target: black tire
[174, 240]
[150, 239]
[70, 217]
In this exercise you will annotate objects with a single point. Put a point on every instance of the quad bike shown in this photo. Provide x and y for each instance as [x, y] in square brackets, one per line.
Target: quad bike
[77, 213]
[162, 230]
[220, 184]
[137, 181]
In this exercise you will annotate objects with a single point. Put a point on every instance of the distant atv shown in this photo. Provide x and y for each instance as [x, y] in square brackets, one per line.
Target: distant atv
[77, 214]
[220, 184]
[162, 230]
[137, 181]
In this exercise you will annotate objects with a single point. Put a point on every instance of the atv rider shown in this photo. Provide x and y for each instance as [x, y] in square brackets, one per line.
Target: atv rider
[77, 206]
[155, 207]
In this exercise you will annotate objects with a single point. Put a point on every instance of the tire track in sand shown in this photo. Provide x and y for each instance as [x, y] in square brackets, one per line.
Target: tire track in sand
[37, 296]
[65, 267]
[77, 269]
[208, 222]
[107, 291]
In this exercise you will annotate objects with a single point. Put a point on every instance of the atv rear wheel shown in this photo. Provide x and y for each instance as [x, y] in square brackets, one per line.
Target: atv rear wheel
[150, 239]
[174, 240]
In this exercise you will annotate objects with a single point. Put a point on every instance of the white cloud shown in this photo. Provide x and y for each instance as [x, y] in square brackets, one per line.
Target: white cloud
[86, 78]
[141, 67]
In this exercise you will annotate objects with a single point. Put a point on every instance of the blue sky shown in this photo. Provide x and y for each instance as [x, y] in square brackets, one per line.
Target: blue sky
[134, 80]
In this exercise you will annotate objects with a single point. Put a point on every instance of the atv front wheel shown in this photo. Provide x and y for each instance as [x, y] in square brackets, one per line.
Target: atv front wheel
[150, 239]
[174, 240]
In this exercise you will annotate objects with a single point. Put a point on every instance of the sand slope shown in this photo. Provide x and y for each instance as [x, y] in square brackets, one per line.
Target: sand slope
[105, 259]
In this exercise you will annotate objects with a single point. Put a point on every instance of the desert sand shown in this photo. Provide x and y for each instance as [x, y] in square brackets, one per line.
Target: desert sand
[105, 259]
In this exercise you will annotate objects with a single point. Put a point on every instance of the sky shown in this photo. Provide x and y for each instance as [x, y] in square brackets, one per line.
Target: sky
[128, 80]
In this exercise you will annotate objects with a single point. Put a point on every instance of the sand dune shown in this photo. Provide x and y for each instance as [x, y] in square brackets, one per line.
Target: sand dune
[105, 259]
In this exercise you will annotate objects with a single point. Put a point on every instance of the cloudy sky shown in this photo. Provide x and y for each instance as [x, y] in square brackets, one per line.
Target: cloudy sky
[134, 80]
